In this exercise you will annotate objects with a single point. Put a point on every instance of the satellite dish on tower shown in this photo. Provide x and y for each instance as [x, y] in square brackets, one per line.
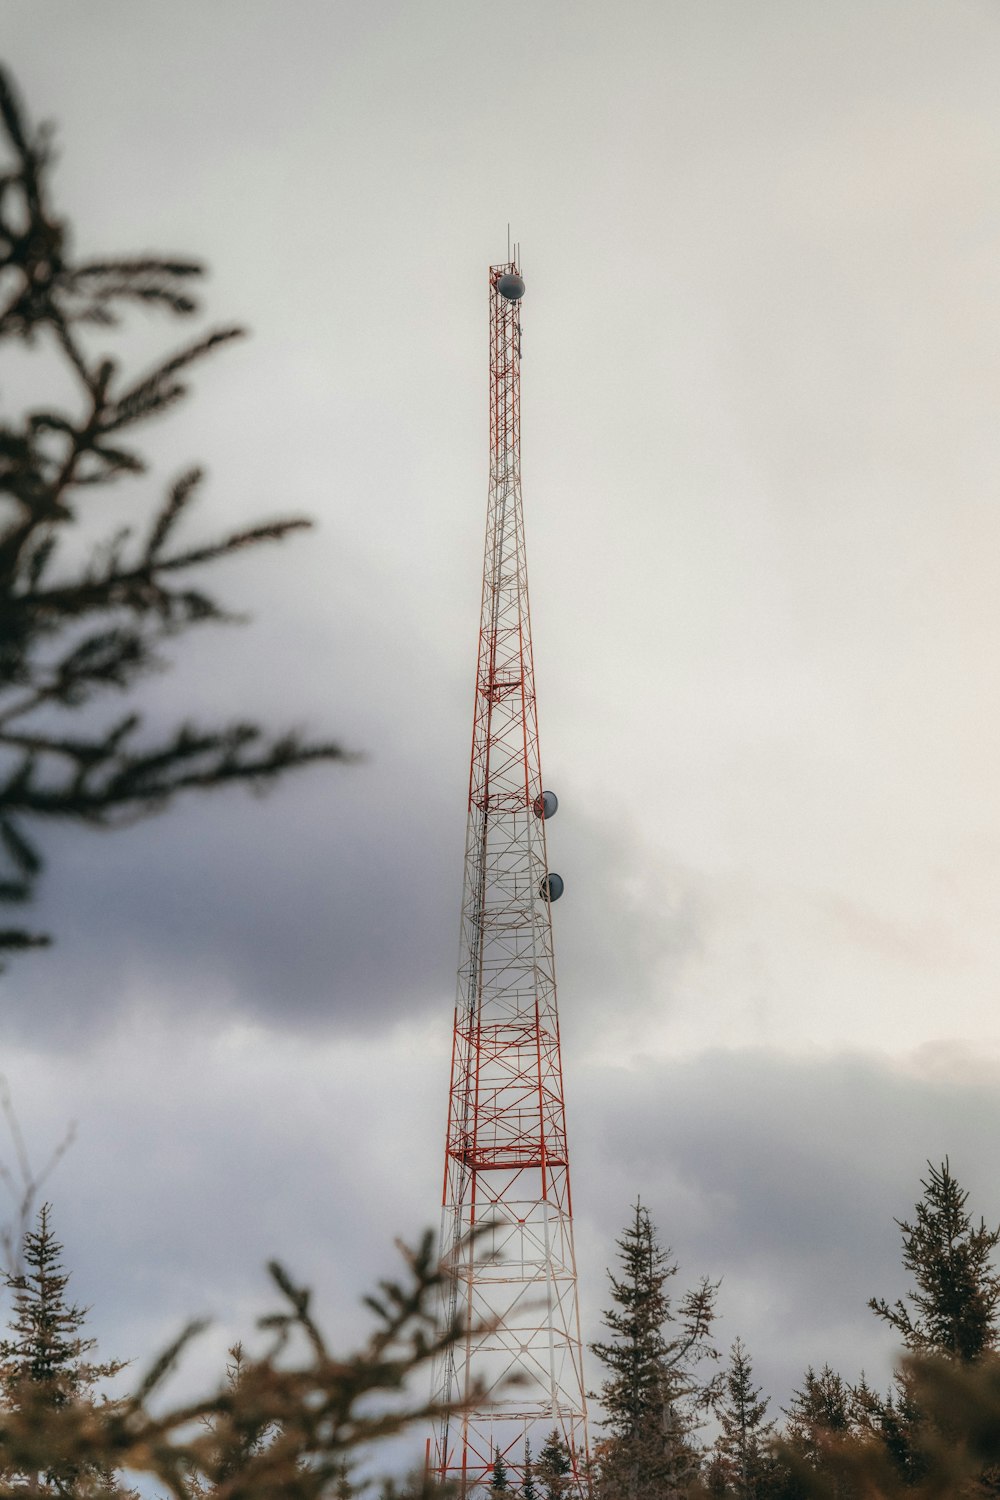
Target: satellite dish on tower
[511, 286]
[545, 805]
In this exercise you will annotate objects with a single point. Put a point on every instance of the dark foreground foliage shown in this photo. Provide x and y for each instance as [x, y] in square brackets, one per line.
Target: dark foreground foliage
[75, 630]
[292, 1421]
[956, 1443]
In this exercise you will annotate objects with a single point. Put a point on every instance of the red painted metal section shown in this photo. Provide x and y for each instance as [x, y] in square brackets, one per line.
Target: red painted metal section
[506, 1158]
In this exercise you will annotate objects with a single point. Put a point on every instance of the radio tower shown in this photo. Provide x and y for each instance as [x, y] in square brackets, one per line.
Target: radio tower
[512, 1292]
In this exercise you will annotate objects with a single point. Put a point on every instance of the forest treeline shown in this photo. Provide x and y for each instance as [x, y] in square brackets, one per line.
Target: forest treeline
[296, 1418]
[682, 1420]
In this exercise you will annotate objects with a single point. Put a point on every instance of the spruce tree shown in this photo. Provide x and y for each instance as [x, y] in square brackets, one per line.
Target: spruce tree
[499, 1482]
[632, 1394]
[896, 1423]
[44, 1365]
[822, 1405]
[554, 1466]
[654, 1392]
[529, 1489]
[952, 1314]
[957, 1288]
[821, 1411]
[240, 1435]
[79, 623]
[742, 1452]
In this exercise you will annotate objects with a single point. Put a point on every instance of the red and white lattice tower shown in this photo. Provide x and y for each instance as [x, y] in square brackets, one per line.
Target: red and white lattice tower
[506, 1155]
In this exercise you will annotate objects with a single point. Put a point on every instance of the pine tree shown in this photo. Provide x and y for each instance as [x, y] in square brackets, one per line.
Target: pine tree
[240, 1435]
[529, 1490]
[75, 628]
[499, 1483]
[896, 1423]
[952, 1314]
[743, 1459]
[632, 1395]
[957, 1294]
[44, 1365]
[822, 1408]
[654, 1393]
[554, 1466]
[821, 1418]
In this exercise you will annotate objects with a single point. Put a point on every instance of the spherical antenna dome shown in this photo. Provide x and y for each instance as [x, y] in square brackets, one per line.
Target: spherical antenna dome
[552, 887]
[511, 286]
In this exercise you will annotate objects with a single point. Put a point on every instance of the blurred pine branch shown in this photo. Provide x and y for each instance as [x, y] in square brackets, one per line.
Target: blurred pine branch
[69, 637]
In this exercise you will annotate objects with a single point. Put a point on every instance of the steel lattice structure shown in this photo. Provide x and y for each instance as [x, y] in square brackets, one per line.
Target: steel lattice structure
[506, 1156]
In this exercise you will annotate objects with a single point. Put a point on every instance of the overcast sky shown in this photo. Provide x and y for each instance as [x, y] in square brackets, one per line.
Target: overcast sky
[760, 384]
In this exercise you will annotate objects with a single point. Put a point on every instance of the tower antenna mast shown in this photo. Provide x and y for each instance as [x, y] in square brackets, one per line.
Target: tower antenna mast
[511, 1292]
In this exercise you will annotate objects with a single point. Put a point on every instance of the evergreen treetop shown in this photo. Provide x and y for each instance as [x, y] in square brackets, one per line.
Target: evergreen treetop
[47, 1350]
[637, 1353]
[823, 1405]
[654, 1394]
[955, 1302]
[529, 1489]
[896, 1424]
[554, 1469]
[744, 1462]
[240, 1436]
[44, 1366]
[655, 1348]
[499, 1482]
